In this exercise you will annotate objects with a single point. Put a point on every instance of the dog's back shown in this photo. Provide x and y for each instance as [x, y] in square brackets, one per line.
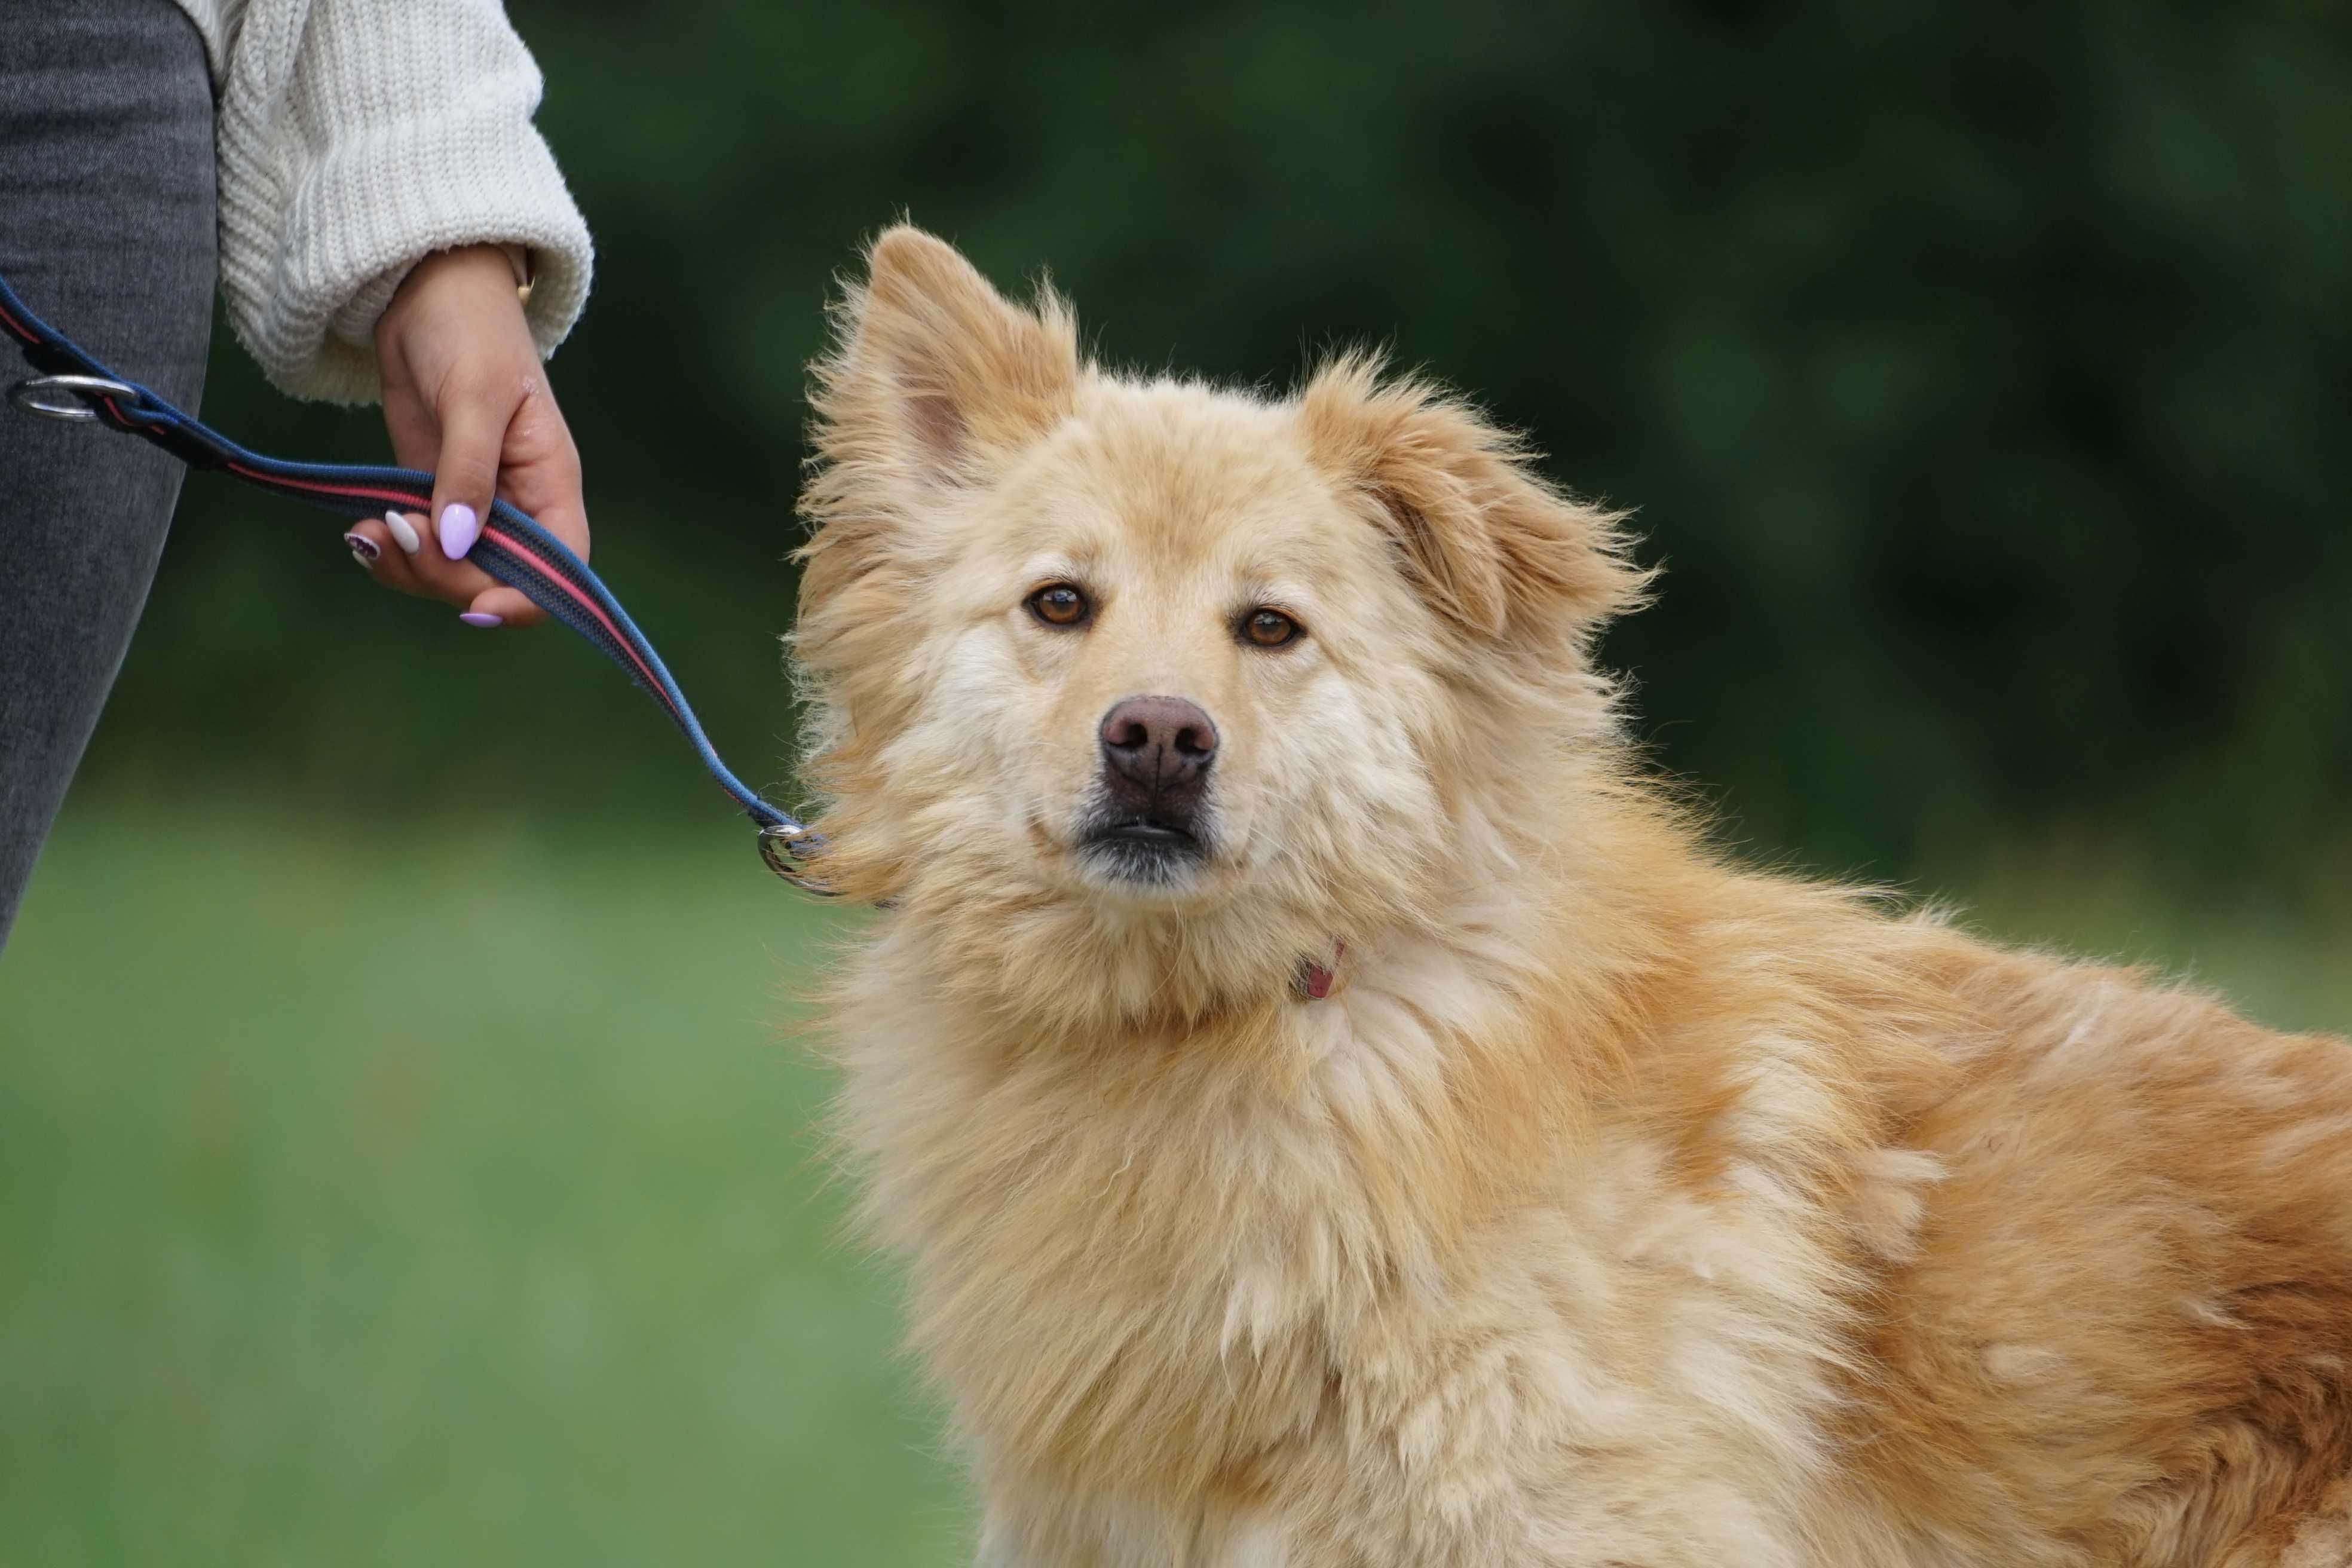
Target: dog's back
[2127, 1322]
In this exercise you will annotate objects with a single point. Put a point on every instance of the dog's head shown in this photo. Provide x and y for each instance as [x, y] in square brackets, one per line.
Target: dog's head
[1102, 656]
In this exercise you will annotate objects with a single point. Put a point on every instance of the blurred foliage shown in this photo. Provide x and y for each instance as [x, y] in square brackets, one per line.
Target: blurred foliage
[1980, 372]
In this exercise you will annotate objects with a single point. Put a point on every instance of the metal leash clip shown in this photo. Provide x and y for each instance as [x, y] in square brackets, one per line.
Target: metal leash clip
[782, 844]
[68, 396]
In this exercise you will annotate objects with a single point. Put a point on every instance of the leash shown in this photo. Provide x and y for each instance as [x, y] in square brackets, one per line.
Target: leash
[513, 549]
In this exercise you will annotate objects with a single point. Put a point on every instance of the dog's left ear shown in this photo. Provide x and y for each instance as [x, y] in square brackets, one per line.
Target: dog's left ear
[1498, 549]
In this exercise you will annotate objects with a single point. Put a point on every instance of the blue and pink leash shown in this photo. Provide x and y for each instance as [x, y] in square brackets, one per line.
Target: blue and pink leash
[513, 549]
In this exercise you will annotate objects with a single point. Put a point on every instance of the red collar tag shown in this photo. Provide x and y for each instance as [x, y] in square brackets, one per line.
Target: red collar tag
[1314, 981]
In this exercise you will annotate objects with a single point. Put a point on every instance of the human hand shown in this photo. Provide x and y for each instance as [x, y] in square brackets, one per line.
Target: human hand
[466, 398]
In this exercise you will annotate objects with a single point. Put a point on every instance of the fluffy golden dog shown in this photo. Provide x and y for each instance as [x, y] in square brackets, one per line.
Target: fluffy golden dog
[1335, 1113]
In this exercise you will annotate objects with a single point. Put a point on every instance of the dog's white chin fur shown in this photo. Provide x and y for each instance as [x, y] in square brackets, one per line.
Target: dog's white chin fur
[1177, 890]
[1130, 876]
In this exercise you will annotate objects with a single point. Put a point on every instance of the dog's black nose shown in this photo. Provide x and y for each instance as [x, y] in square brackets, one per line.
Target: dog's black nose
[1160, 746]
[1157, 756]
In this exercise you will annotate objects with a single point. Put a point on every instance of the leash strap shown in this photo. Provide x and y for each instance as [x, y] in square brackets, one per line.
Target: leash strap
[512, 549]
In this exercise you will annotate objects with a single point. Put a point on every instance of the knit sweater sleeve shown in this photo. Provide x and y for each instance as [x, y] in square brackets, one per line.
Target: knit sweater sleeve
[359, 136]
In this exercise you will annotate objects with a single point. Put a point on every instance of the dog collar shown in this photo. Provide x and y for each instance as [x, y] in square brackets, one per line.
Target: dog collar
[1314, 981]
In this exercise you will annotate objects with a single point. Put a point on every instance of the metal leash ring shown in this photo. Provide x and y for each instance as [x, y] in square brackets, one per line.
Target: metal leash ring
[782, 844]
[67, 397]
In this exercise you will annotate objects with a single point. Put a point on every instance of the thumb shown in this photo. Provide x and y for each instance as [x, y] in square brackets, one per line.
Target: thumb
[503, 607]
[473, 433]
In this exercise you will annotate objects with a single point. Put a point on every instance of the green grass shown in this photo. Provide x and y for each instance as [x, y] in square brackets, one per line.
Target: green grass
[374, 1199]
[375, 1196]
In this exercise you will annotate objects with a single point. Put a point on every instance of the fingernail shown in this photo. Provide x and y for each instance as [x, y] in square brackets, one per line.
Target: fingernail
[363, 548]
[403, 533]
[459, 529]
[479, 617]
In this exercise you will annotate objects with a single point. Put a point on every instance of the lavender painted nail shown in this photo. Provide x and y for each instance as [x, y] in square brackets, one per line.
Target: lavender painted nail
[482, 618]
[363, 549]
[459, 529]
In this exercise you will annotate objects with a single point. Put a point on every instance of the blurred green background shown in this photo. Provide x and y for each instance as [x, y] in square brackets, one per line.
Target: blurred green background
[403, 1152]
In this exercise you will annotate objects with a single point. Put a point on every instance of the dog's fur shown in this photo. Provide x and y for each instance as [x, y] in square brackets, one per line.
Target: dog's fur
[1619, 1206]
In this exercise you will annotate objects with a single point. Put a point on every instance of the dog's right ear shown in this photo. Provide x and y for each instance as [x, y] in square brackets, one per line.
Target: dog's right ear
[934, 378]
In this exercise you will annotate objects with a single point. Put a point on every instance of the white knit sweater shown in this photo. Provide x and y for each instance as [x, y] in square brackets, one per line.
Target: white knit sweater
[357, 136]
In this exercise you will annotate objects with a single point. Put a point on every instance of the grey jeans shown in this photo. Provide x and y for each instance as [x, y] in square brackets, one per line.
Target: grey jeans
[107, 231]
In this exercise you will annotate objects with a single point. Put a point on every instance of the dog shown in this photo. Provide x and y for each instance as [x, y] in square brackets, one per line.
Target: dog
[1336, 1110]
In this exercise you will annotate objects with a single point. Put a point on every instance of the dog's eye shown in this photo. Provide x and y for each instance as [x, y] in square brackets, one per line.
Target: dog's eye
[1268, 629]
[1058, 605]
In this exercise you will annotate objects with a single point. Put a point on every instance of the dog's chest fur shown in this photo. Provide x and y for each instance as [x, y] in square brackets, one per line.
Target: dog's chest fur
[1301, 1290]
